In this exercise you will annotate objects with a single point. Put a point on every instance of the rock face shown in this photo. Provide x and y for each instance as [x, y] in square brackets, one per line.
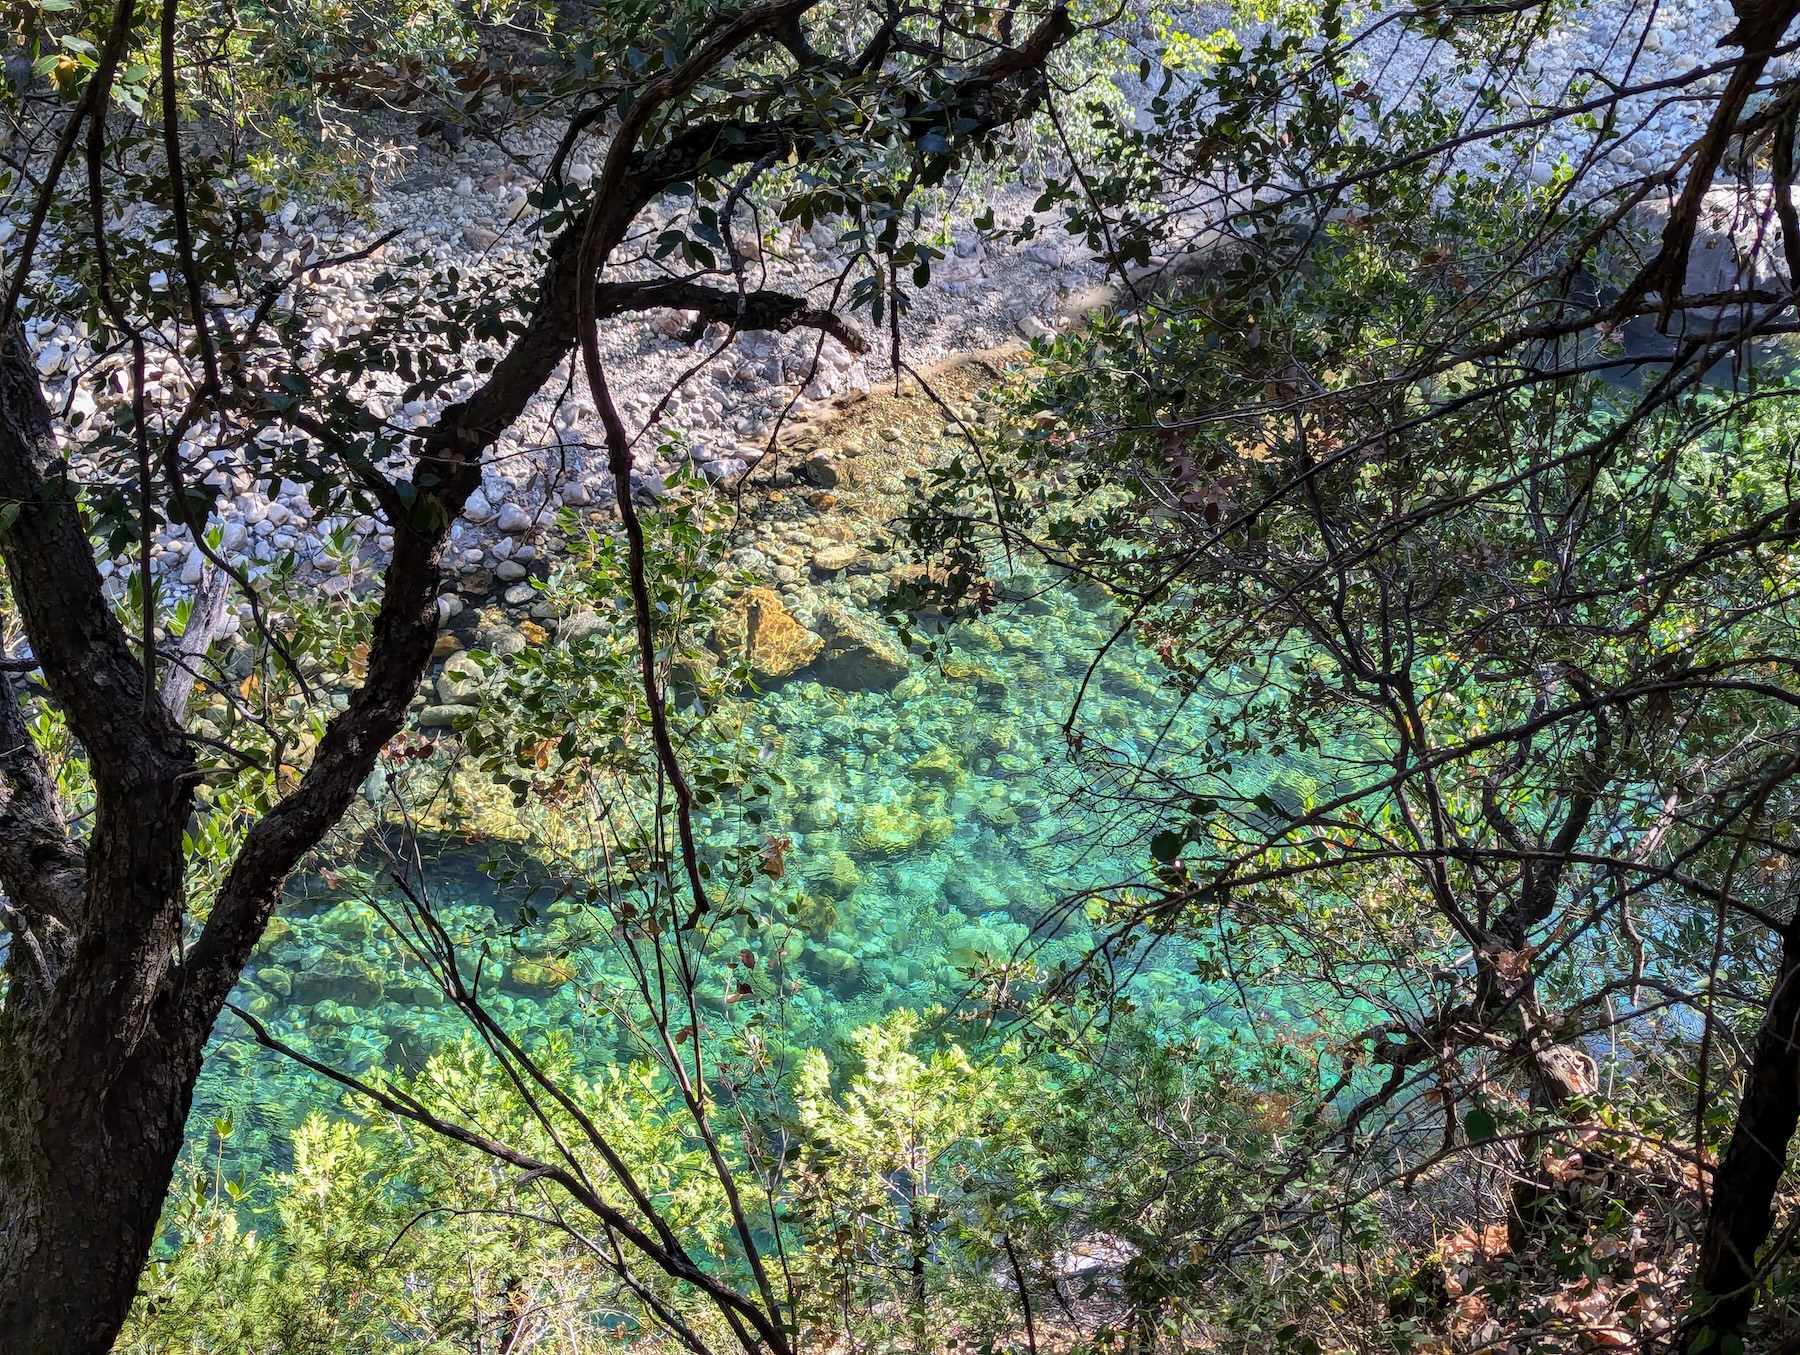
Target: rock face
[856, 655]
[759, 626]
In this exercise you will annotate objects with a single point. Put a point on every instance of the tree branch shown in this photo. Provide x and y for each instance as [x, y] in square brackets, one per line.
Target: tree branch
[776, 311]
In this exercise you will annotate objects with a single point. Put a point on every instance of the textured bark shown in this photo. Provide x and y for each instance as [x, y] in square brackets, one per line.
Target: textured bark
[1743, 1190]
[93, 1119]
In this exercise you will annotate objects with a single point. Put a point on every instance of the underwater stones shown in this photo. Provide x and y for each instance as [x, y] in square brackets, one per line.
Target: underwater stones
[890, 829]
[759, 626]
[814, 814]
[542, 976]
[985, 679]
[912, 688]
[328, 1013]
[349, 923]
[941, 765]
[816, 916]
[338, 978]
[275, 980]
[835, 559]
[999, 736]
[981, 635]
[996, 811]
[460, 682]
[856, 654]
[833, 876]
[819, 470]
[968, 946]
[838, 961]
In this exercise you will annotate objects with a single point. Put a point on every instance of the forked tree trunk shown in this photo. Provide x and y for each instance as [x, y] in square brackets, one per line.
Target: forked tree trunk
[1743, 1192]
[108, 1000]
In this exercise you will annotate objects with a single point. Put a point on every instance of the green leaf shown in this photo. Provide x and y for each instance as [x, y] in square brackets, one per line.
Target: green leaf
[1167, 845]
[1480, 1125]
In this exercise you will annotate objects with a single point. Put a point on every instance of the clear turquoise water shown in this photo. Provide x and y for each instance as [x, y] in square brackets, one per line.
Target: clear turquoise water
[936, 826]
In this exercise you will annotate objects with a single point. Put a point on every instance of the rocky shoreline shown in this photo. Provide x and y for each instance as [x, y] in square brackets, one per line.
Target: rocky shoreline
[812, 529]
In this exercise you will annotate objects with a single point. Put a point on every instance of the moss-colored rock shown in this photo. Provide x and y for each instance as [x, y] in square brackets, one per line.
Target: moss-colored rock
[815, 915]
[942, 766]
[996, 811]
[542, 976]
[758, 626]
[890, 829]
[833, 876]
[812, 815]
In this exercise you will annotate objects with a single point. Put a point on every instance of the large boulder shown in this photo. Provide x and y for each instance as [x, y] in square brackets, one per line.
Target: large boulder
[857, 654]
[759, 627]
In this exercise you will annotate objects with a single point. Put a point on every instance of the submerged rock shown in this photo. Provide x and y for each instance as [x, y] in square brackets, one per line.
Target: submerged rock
[890, 829]
[542, 976]
[835, 559]
[941, 765]
[834, 876]
[759, 626]
[856, 655]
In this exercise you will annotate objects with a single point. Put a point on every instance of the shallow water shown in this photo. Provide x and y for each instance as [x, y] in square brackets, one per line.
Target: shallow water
[935, 826]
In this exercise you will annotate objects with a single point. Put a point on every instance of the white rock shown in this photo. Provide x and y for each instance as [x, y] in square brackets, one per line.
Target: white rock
[513, 518]
[478, 509]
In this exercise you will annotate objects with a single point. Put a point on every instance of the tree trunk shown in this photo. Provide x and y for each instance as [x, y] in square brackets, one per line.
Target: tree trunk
[85, 1173]
[1743, 1192]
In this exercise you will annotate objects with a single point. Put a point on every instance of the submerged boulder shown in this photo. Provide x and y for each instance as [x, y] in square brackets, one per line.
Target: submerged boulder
[857, 654]
[758, 626]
